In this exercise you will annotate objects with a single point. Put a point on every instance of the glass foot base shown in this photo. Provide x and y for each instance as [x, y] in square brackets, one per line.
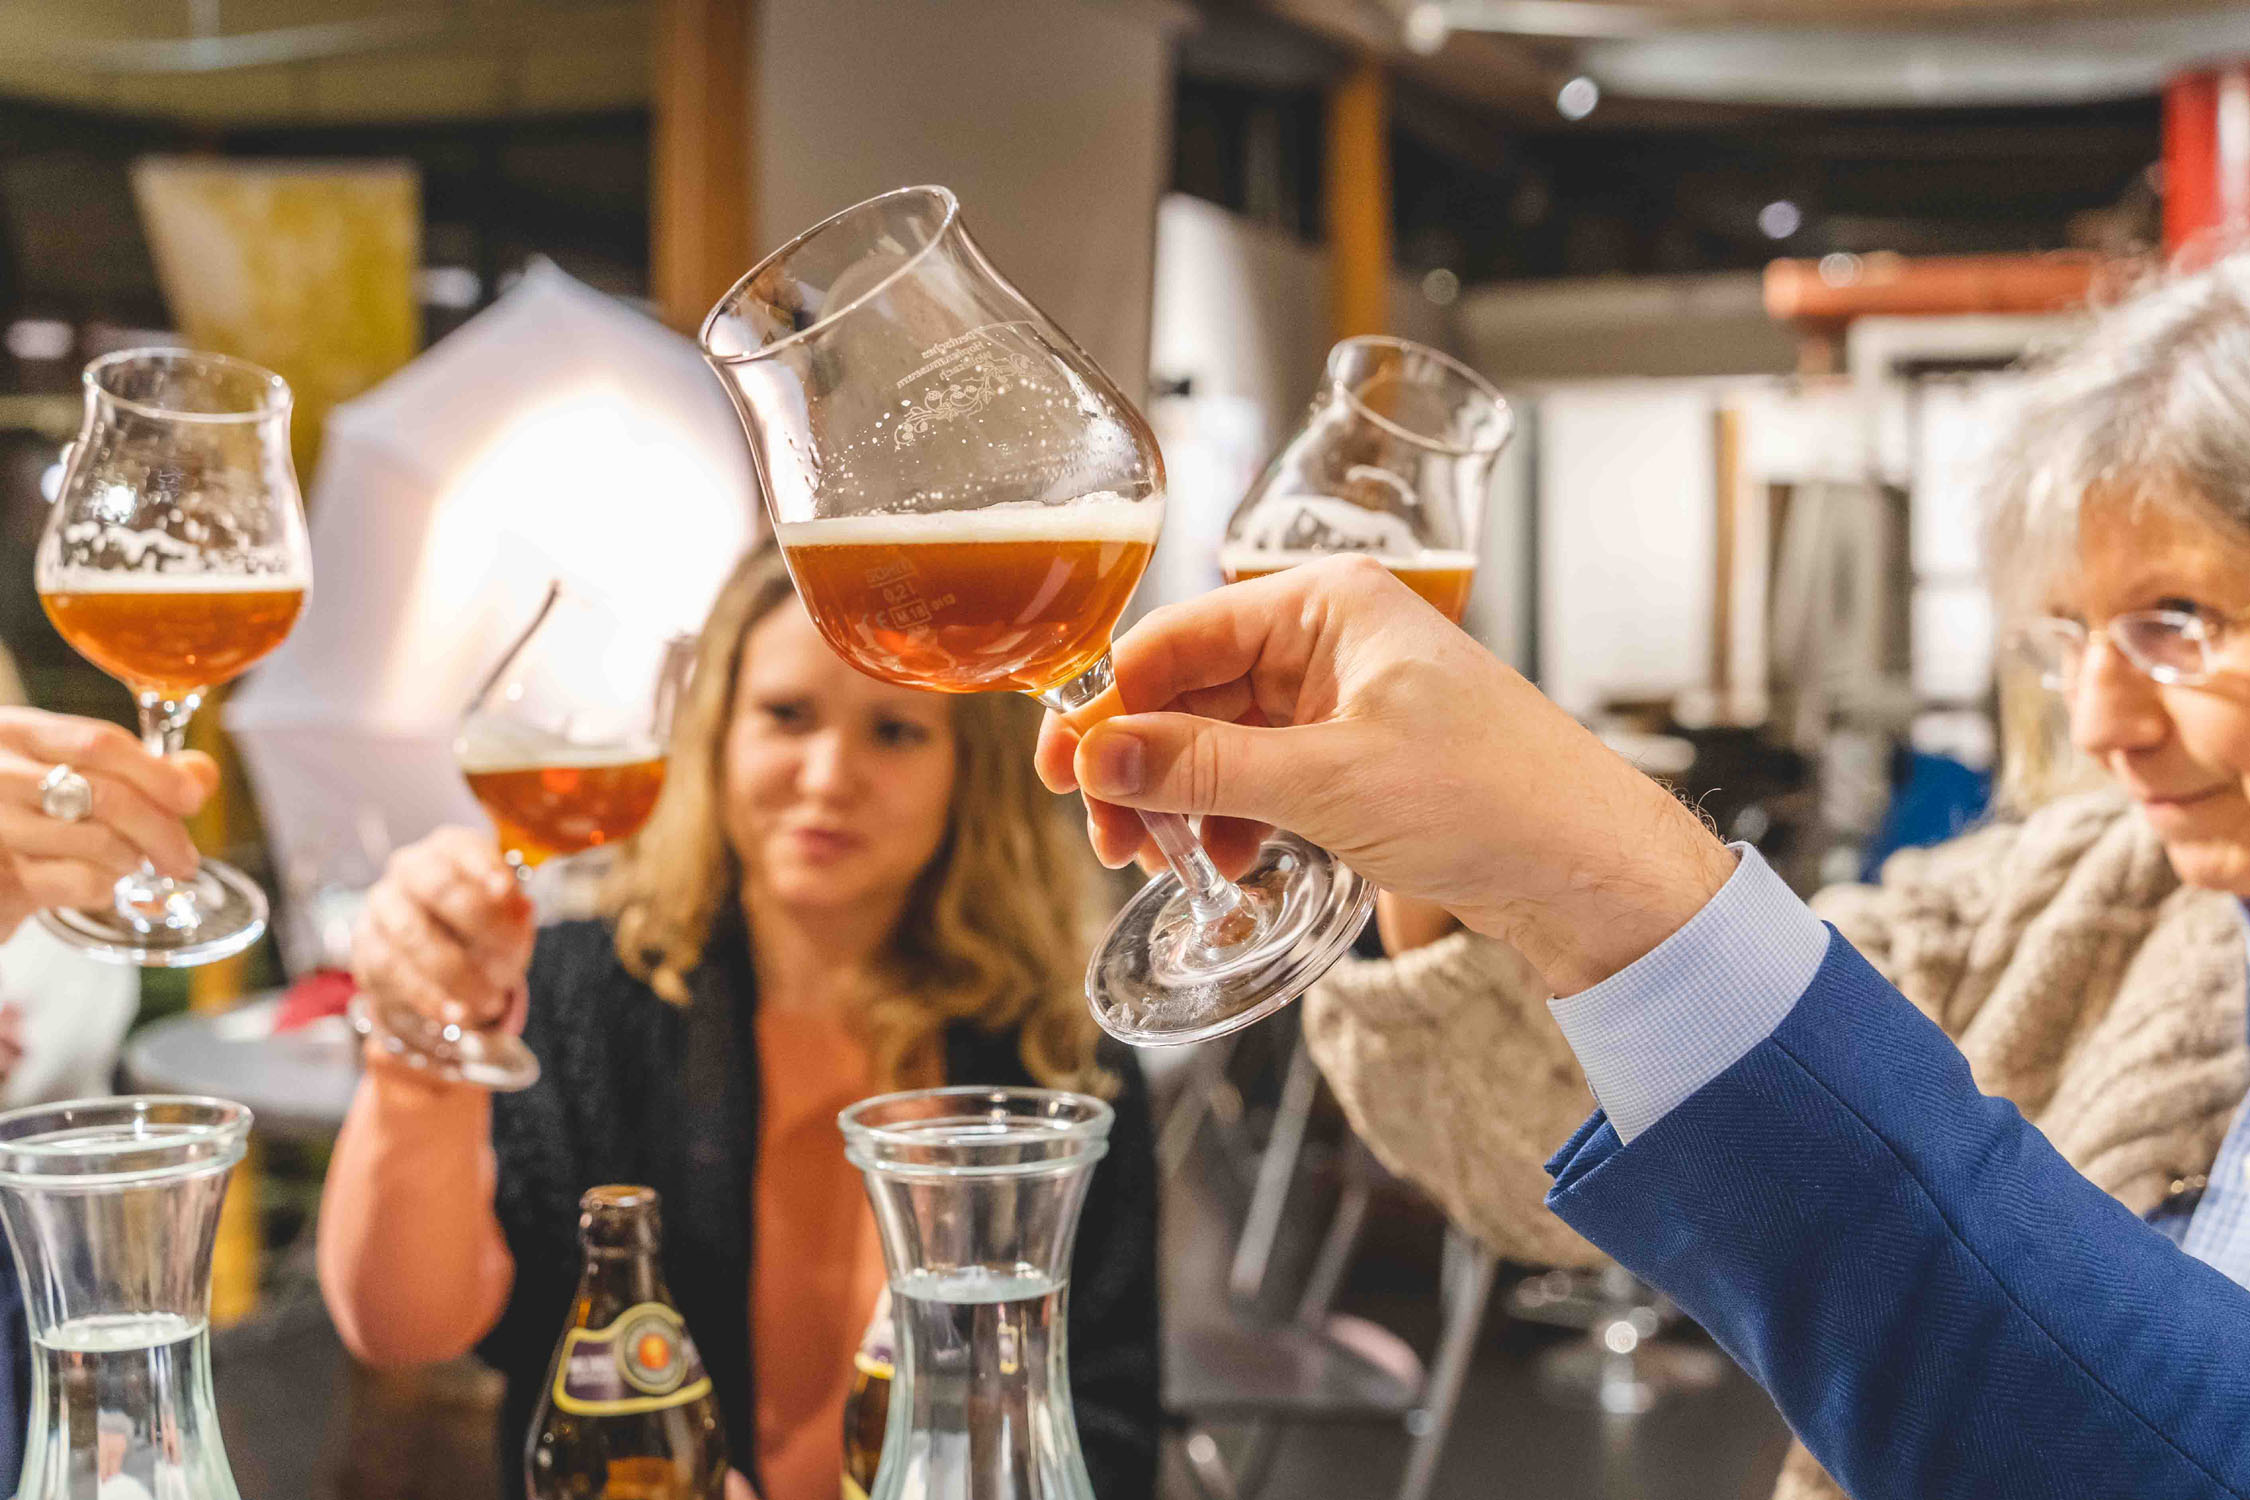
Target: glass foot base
[456, 1054]
[1161, 979]
[215, 914]
[1625, 1384]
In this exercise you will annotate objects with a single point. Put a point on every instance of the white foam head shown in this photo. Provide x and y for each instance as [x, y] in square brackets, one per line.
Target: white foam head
[1105, 519]
[1237, 558]
[486, 748]
[118, 581]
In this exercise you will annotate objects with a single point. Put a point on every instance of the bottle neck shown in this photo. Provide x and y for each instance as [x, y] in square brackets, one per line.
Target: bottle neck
[617, 1279]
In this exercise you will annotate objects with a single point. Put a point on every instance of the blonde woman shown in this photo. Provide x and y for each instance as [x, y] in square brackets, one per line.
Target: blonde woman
[847, 887]
[2087, 955]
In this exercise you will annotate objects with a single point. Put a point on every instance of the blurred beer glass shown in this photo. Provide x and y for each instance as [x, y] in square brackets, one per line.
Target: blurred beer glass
[565, 748]
[1393, 461]
[967, 502]
[175, 558]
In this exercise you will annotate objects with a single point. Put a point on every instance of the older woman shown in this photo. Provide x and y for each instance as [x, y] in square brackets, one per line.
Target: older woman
[2088, 957]
[846, 887]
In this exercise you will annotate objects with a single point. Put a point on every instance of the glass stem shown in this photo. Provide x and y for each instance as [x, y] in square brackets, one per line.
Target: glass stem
[1210, 895]
[164, 721]
[164, 732]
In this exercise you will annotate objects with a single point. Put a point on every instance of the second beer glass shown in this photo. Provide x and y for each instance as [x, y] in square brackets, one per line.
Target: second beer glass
[967, 503]
[564, 747]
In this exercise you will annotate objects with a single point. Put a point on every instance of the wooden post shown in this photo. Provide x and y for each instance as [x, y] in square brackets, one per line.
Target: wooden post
[1358, 200]
[1727, 491]
[700, 191]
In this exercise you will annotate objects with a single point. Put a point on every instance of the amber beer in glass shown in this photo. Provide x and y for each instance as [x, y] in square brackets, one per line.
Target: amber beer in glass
[1444, 579]
[565, 806]
[172, 636]
[1392, 461]
[175, 558]
[967, 502]
[968, 601]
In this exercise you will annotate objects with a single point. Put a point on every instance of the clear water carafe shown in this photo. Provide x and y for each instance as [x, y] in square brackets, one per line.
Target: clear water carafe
[112, 1206]
[977, 1192]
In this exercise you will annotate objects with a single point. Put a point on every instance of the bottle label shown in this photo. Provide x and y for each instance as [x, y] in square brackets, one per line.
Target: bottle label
[644, 1361]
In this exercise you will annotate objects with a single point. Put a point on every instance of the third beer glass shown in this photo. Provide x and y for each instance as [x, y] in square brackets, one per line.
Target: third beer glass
[1392, 461]
[966, 503]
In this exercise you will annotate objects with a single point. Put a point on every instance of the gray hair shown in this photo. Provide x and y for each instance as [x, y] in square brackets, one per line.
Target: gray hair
[2151, 404]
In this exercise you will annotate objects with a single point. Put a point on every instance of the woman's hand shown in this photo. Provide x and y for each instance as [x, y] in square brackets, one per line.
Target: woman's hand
[447, 931]
[139, 802]
[1328, 699]
[738, 1487]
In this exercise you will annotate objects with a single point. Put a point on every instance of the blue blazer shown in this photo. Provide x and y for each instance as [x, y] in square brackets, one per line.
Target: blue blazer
[1938, 1303]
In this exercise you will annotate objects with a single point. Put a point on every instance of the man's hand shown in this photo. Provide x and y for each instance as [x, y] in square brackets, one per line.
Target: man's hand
[1329, 700]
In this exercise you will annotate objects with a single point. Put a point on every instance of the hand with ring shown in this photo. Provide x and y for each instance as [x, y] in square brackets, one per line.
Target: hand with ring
[82, 804]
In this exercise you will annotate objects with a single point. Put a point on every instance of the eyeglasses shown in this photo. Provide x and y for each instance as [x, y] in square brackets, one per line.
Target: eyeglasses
[2176, 647]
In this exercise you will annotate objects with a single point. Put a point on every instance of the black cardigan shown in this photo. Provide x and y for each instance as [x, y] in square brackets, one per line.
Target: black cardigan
[633, 1089]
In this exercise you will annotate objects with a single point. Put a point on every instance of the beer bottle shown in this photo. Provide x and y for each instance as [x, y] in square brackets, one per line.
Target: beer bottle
[867, 1410]
[627, 1412]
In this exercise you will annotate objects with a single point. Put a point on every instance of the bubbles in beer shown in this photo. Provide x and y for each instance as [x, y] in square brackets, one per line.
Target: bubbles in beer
[547, 798]
[1009, 596]
[1444, 579]
[172, 633]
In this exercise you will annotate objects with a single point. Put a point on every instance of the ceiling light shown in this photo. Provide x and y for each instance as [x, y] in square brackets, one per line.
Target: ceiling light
[40, 338]
[1427, 28]
[1780, 219]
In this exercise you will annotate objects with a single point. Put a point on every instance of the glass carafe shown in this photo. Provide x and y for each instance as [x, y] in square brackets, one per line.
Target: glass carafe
[977, 1192]
[112, 1206]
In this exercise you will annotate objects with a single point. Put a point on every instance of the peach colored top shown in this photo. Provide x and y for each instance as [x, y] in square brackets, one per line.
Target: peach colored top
[818, 1267]
[415, 1268]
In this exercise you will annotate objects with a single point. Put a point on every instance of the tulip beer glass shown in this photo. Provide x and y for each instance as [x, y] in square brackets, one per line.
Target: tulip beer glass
[966, 503]
[174, 558]
[564, 746]
[1392, 461]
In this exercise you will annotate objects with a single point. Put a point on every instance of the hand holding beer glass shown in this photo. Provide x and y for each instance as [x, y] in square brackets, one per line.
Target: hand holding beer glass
[1393, 461]
[564, 746]
[173, 559]
[967, 503]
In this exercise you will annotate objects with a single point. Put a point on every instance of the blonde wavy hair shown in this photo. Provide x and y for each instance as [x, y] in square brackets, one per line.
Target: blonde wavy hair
[992, 931]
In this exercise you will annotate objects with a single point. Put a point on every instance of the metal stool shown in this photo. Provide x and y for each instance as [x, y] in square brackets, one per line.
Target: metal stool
[1318, 1366]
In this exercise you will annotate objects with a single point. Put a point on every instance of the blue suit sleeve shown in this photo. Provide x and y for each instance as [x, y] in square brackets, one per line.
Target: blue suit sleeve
[1940, 1306]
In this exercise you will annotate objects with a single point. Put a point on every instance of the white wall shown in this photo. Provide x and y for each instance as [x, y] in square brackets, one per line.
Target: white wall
[1624, 326]
[1050, 118]
[1627, 538]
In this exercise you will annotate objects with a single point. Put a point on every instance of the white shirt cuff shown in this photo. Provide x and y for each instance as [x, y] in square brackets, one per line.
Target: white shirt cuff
[1656, 1031]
